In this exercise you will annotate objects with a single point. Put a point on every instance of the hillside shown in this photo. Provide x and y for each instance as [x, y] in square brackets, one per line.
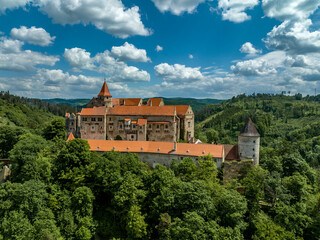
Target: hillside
[196, 104]
[31, 114]
[279, 119]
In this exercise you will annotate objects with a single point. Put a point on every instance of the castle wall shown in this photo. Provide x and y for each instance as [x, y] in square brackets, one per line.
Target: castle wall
[92, 128]
[249, 148]
[165, 133]
[232, 169]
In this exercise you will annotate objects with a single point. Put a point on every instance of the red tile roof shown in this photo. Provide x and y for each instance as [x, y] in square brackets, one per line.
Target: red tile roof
[185, 149]
[70, 137]
[95, 111]
[142, 111]
[104, 91]
[154, 101]
[181, 109]
[126, 101]
[142, 121]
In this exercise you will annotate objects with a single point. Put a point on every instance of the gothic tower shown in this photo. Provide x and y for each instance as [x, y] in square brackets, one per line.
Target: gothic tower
[104, 96]
[249, 142]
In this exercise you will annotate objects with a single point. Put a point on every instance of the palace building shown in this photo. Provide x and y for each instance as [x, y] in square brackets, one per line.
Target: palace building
[131, 119]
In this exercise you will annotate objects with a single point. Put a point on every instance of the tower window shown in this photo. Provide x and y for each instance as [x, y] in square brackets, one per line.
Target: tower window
[254, 141]
[253, 155]
[109, 118]
[252, 149]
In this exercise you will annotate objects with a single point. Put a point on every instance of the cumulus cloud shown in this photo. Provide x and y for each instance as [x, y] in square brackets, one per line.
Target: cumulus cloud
[190, 56]
[289, 9]
[33, 35]
[110, 16]
[263, 65]
[78, 58]
[13, 58]
[128, 52]
[234, 10]
[12, 4]
[159, 48]
[294, 37]
[177, 7]
[105, 63]
[249, 49]
[178, 72]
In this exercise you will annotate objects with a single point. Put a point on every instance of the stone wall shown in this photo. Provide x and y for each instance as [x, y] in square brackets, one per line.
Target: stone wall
[4, 174]
[232, 169]
[93, 129]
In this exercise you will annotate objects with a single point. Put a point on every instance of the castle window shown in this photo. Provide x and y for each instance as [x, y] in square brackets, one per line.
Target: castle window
[132, 136]
[109, 118]
[254, 141]
[150, 126]
[253, 155]
[158, 126]
[84, 119]
[189, 124]
[93, 119]
[99, 119]
[167, 126]
[110, 127]
[72, 123]
[133, 126]
[252, 149]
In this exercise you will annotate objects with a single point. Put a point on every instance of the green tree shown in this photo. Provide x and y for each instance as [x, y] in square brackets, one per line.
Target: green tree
[9, 136]
[55, 129]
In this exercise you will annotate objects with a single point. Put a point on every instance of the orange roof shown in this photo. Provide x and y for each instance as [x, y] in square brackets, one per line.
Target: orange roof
[126, 101]
[134, 122]
[127, 119]
[104, 90]
[70, 137]
[142, 121]
[181, 109]
[142, 111]
[95, 111]
[185, 149]
[154, 101]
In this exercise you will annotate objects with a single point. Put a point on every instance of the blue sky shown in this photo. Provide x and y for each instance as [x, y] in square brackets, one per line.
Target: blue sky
[169, 48]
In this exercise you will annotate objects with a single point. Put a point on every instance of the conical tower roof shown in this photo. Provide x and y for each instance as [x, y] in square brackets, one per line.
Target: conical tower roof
[249, 130]
[70, 137]
[104, 90]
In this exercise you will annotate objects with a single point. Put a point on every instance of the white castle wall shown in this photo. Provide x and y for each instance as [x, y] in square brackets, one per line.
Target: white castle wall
[249, 148]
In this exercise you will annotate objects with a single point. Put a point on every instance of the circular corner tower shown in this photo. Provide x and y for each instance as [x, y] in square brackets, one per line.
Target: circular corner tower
[249, 143]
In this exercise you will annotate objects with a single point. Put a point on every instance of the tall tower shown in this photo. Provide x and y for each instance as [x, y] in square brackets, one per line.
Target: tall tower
[104, 96]
[249, 142]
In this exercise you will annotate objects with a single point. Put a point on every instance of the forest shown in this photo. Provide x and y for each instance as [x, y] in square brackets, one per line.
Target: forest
[61, 190]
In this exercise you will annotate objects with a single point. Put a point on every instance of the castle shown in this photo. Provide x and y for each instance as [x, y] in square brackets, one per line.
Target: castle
[152, 129]
[132, 119]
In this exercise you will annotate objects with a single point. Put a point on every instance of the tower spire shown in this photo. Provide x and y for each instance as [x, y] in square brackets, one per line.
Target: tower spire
[105, 90]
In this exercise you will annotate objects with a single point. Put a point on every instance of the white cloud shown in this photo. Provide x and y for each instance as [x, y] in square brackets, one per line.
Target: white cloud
[12, 4]
[177, 7]
[178, 72]
[105, 63]
[289, 9]
[263, 65]
[12, 58]
[159, 48]
[78, 58]
[234, 10]
[294, 37]
[33, 35]
[190, 56]
[249, 49]
[110, 16]
[128, 52]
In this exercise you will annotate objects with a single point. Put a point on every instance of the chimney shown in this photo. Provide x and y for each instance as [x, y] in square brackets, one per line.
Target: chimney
[175, 146]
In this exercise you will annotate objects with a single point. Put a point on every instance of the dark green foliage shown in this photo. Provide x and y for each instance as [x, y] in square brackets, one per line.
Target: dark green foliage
[9, 136]
[55, 129]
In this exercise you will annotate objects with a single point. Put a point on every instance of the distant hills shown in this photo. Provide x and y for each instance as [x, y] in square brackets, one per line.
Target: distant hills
[196, 104]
